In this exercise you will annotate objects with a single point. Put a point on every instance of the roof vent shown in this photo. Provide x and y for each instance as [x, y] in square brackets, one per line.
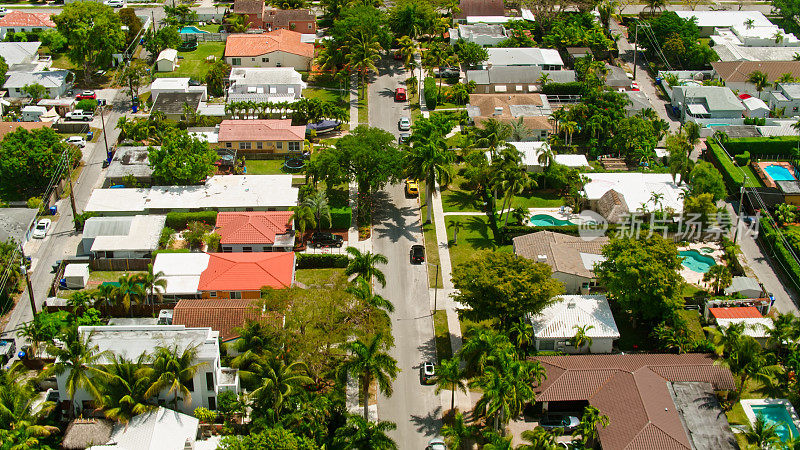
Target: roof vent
[498, 110]
[570, 305]
[541, 258]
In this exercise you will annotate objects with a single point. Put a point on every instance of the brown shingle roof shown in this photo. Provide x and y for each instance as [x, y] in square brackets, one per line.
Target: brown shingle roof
[632, 391]
[480, 8]
[224, 316]
[282, 17]
[248, 7]
[487, 103]
[739, 71]
[562, 251]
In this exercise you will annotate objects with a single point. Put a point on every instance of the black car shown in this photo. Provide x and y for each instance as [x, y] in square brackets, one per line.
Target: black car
[320, 239]
[447, 72]
[417, 254]
[563, 422]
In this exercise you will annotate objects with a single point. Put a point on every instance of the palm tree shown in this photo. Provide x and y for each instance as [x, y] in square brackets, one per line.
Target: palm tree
[79, 301]
[512, 180]
[429, 160]
[456, 224]
[762, 435]
[78, 358]
[785, 78]
[581, 338]
[303, 217]
[506, 388]
[748, 360]
[484, 347]
[17, 400]
[35, 333]
[520, 132]
[569, 128]
[543, 79]
[279, 382]
[784, 330]
[173, 370]
[456, 431]
[365, 265]
[106, 295]
[497, 442]
[796, 127]
[725, 339]
[368, 362]
[718, 277]
[154, 283]
[522, 334]
[759, 79]
[317, 202]
[130, 291]
[655, 4]
[539, 439]
[493, 135]
[408, 47]
[449, 376]
[124, 390]
[588, 428]
[749, 23]
[363, 52]
[363, 291]
[361, 434]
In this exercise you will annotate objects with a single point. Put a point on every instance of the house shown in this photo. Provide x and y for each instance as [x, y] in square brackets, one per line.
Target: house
[709, 21]
[299, 20]
[16, 224]
[32, 113]
[576, 53]
[700, 103]
[517, 79]
[755, 325]
[571, 258]
[61, 105]
[786, 96]
[130, 341]
[480, 33]
[746, 287]
[175, 105]
[182, 85]
[536, 155]
[265, 84]
[638, 101]
[617, 77]
[25, 22]
[262, 136]
[533, 109]
[664, 402]
[736, 73]
[253, 9]
[10, 127]
[544, 58]
[19, 53]
[251, 231]
[224, 275]
[84, 433]
[167, 60]
[56, 82]
[126, 237]
[219, 193]
[480, 8]
[159, 429]
[207, 14]
[631, 192]
[223, 316]
[279, 48]
[127, 163]
[754, 107]
[556, 325]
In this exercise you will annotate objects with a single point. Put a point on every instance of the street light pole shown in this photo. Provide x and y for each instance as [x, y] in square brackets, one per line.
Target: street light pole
[103, 122]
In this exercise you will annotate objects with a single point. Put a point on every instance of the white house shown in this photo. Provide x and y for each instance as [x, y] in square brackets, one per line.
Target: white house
[755, 107]
[709, 21]
[278, 48]
[480, 33]
[32, 113]
[122, 237]
[56, 82]
[544, 58]
[536, 155]
[15, 53]
[755, 325]
[164, 85]
[787, 96]
[703, 103]
[557, 324]
[25, 22]
[265, 84]
[635, 190]
[159, 429]
[167, 60]
[130, 341]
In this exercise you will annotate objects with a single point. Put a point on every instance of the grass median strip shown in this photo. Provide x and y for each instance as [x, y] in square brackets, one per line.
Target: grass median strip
[443, 348]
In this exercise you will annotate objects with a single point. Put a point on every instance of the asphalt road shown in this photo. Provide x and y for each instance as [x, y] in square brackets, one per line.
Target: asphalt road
[413, 408]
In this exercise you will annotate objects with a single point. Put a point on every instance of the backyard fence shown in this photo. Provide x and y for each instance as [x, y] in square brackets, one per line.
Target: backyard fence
[119, 264]
[71, 127]
[205, 37]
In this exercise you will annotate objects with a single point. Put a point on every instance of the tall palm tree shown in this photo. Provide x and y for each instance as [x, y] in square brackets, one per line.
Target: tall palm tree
[450, 376]
[725, 339]
[497, 442]
[581, 339]
[430, 160]
[280, 381]
[456, 224]
[106, 295]
[317, 202]
[591, 421]
[493, 135]
[172, 371]
[365, 265]
[362, 290]
[361, 434]
[785, 329]
[408, 48]
[78, 357]
[538, 439]
[130, 291]
[718, 277]
[522, 334]
[506, 388]
[511, 179]
[759, 79]
[35, 333]
[79, 302]
[457, 431]
[569, 128]
[17, 400]
[363, 53]
[124, 390]
[369, 362]
[303, 217]
[154, 283]
[762, 435]
[485, 347]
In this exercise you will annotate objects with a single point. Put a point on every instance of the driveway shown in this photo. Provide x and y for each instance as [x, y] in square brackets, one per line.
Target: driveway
[396, 226]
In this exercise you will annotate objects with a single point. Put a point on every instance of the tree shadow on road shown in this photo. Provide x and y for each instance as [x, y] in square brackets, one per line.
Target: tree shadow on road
[430, 424]
[393, 222]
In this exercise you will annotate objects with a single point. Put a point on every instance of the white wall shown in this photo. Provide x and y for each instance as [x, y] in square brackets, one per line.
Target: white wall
[165, 65]
[572, 283]
[274, 59]
[6, 30]
[599, 345]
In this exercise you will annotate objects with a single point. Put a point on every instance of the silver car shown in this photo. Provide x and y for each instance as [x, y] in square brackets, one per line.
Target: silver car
[404, 124]
[436, 443]
[42, 227]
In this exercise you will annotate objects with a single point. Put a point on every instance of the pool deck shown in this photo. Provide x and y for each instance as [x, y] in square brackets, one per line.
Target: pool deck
[696, 278]
[765, 178]
[747, 406]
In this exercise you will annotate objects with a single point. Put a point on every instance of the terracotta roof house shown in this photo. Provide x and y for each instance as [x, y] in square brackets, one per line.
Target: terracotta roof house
[262, 136]
[480, 8]
[25, 22]
[279, 48]
[510, 107]
[223, 316]
[572, 258]
[256, 231]
[300, 20]
[663, 402]
[253, 9]
[755, 325]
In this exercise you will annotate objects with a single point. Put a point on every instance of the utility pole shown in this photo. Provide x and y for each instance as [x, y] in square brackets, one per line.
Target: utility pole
[103, 121]
[741, 208]
[71, 192]
[24, 268]
[635, 47]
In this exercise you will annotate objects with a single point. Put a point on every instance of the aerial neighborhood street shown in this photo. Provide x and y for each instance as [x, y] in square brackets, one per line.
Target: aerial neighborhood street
[458, 224]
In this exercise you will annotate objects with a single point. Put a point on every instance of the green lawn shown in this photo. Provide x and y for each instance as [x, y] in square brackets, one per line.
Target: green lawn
[103, 276]
[442, 331]
[363, 110]
[264, 167]
[456, 198]
[692, 319]
[474, 236]
[194, 64]
[341, 98]
[318, 277]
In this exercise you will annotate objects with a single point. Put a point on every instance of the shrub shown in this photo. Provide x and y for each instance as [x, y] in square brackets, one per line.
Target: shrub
[196, 233]
[430, 92]
[770, 146]
[36, 203]
[205, 415]
[179, 220]
[321, 261]
[571, 88]
[742, 159]
[340, 218]
[768, 235]
[508, 233]
[166, 237]
[87, 104]
[170, 250]
[212, 241]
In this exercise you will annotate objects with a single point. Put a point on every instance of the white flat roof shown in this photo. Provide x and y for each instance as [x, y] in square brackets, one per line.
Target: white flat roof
[757, 327]
[130, 341]
[558, 320]
[170, 84]
[524, 57]
[169, 53]
[726, 18]
[636, 188]
[531, 151]
[181, 270]
[143, 234]
[488, 19]
[572, 160]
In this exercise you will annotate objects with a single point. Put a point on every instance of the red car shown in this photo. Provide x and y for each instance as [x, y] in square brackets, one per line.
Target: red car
[400, 95]
[86, 95]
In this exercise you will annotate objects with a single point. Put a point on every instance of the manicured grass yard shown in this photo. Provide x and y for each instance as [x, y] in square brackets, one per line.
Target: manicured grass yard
[194, 64]
[431, 244]
[318, 277]
[264, 167]
[340, 98]
[456, 198]
[103, 276]
[474, 236]
[363, 110]
[692, 319]
[443, 348]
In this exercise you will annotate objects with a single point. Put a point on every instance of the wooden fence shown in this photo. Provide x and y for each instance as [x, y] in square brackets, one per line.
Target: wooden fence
[120, 264]
[205, 37]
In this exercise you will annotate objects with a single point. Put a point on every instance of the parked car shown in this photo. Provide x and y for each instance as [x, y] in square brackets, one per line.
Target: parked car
[42, 227]
[398, 55]
[634, 86]
[79, 114]
[404, 124]
[447, 72]
[412, 187]
[556, 421]
[417, 254]
[426, 372]
[403, 138]
[78, 141]
[436, 443]
[400, 95]
[87, 95]
[320, 239]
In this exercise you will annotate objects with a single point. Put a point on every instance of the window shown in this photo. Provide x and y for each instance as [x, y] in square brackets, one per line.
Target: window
[247, 249]
[228, 145]
[212, 294]
[259, 145]
[225, 250]
[264, 59]
[190, 385]
[212, 403]
[244, 145]
[294, 146]
[547, 345]
[279, 145]
[209, 381]
[253, 59]
[236, 295]
[236, 61]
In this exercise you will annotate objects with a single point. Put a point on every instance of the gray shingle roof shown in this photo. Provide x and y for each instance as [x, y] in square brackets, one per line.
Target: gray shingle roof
[48, 79]
[716, 98]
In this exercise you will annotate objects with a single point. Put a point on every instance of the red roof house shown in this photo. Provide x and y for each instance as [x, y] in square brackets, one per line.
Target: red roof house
[262, 135]
[255, 231]
[742, 312]
[279, 48]
[242, 275]
[20, 21]
[225, 316]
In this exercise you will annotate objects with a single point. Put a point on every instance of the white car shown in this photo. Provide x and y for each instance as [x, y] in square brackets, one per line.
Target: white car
[115, 3]
[42, 227]
[436, 443]
[77, 141]
[404, 124]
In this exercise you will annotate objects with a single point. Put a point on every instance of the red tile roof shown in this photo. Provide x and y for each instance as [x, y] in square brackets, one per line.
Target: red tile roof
[260, 130]
[741, 312]
[286, 41]
[224, 316]
[10, 127]
[252, 227]
[247, 271]
[632, 391]
[26, 19]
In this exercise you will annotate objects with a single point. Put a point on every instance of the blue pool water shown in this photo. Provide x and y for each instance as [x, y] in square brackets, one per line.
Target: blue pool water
[694, 261]
[192, 30]
[546, 220]
[777, 414]
[779, 173]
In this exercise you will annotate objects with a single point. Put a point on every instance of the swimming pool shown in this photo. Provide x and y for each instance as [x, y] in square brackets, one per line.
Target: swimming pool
[694, 261]
[779, 173]
[192, 30]
[546, 220]
[778, 415]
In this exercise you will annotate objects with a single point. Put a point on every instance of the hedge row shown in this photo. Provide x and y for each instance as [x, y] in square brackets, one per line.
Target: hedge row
[773, 145]
[322, 261]
[507, 233]
[730, 173]
[179, 220]
[571, 88]
[340, 218]
[431, 93]
[768, 235]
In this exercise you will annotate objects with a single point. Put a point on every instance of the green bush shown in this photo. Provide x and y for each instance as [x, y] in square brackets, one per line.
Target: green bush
[768, 235]
[166, 237]
[340, 218]
[571, 88]
[508, 233]
[321, 261]
[87, 104]
[730, 174]
[171, 250]
[772, 146]
[179, 220]
[431, 93]
[742, 159]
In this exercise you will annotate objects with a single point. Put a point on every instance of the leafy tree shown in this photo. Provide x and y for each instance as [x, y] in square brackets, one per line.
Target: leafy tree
[788, 9]
[157, 41]
[133, 75]
[360, 433]
[35, 91]
[679, 149]
[129, 18]
[94, 33]
[706, 179]
[216, 76]
[703, 205]
[678, 39]
[78, 358]
[53, 40]
[643, 276]
[29, 160]
[369, 362]
[3, 69]
[635, 138]
[182, 160]
[500, 285]
[172, 370]
[411, 18]
[470, 53]
[269, 439]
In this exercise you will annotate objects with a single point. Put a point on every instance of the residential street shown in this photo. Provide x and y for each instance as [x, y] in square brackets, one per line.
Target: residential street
[413, 407]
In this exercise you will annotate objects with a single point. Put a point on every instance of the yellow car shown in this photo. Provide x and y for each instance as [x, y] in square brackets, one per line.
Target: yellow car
[412, 187]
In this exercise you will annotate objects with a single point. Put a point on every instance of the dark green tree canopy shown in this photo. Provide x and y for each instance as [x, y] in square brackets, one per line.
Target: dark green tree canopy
[94, 33]
[364, 23]
[706, 179]
[411, 18]
[678, 40]
[470, 53]
[28, 160]
[182, 160]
